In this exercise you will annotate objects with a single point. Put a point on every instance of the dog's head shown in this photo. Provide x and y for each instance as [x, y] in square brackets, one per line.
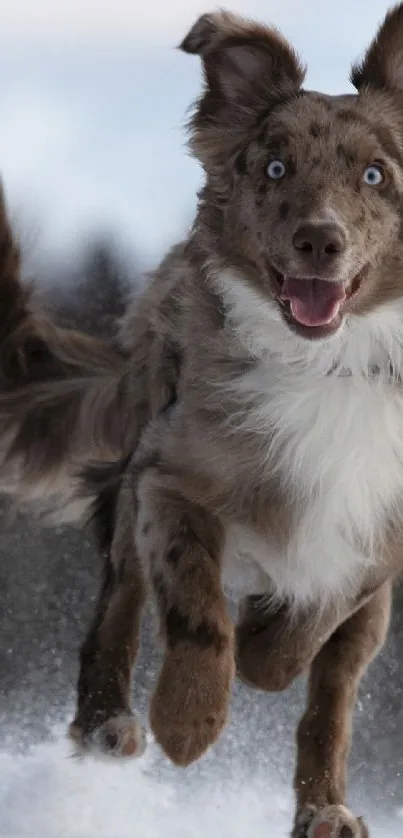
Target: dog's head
[304, 191]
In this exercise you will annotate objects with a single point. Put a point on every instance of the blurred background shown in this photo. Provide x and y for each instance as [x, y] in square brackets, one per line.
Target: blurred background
[93, 98]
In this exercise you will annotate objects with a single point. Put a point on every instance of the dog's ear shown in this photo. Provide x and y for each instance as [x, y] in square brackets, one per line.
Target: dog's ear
[382, 65]
[9, 250]
[247, 69]
[241, 57]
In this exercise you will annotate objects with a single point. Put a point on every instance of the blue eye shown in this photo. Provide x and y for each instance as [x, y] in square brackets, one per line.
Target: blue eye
[374, 175]
[276, 169]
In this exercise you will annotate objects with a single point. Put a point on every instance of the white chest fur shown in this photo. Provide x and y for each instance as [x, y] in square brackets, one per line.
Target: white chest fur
[335, 445]
[337, 448]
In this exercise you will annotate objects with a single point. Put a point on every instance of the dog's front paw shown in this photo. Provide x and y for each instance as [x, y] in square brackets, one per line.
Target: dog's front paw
[330, 822]
[190, 706]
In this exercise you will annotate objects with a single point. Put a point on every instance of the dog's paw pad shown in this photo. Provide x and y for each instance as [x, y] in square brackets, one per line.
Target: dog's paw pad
[119, 737]
[331, 822]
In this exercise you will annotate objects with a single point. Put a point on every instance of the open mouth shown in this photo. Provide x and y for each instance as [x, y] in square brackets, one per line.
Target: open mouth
[312, 305]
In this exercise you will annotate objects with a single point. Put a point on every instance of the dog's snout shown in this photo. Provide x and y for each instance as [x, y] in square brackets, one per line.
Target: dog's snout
[322, 241]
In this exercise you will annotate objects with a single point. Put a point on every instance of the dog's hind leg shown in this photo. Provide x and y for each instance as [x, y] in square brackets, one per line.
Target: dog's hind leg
[104, 721]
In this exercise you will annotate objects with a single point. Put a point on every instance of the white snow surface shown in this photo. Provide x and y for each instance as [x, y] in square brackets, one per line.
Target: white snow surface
[46, 794]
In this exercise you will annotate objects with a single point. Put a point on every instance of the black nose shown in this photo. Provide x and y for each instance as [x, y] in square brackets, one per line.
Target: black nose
[322, 240]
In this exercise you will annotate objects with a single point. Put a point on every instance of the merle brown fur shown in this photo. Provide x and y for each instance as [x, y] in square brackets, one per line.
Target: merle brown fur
[153, 413]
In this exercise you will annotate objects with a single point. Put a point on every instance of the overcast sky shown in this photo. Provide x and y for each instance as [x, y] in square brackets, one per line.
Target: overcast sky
[109, 22]
[93, 96]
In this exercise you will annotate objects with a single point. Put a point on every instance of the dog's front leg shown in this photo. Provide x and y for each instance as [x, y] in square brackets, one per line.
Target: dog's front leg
[325, 730]
[180, 546]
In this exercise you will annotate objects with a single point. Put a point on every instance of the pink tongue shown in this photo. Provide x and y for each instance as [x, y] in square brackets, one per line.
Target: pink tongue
[313, 302]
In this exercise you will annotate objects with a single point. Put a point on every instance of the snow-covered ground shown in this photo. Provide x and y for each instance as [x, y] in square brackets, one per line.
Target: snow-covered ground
[91, 141]
[47, 796]
[242, 787]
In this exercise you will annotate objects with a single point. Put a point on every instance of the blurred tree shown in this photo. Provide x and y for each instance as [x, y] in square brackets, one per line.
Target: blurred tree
[93, 295]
